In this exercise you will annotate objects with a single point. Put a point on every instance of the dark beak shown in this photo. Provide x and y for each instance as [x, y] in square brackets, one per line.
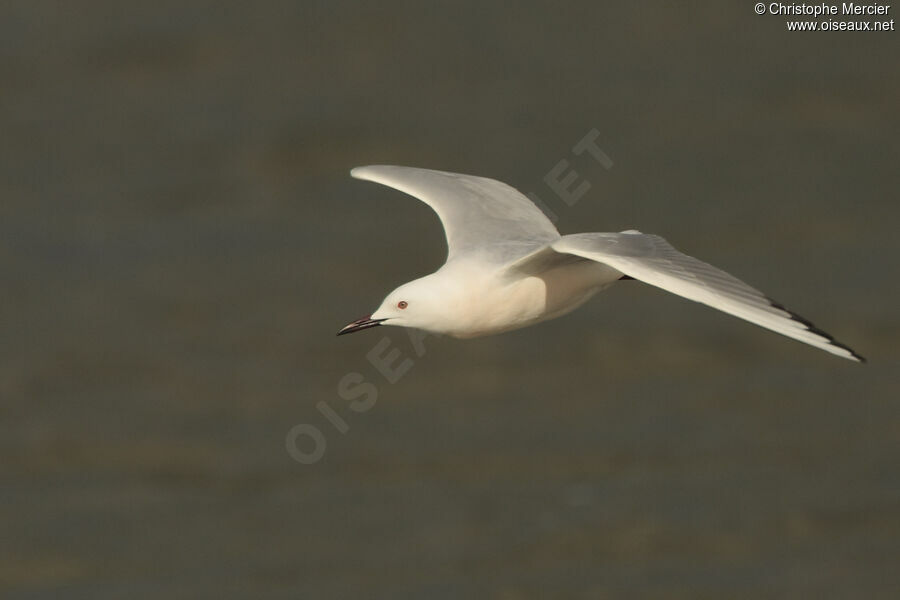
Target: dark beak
[360, 324]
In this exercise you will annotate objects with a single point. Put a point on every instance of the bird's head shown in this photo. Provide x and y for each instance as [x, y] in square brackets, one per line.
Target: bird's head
[419, 304]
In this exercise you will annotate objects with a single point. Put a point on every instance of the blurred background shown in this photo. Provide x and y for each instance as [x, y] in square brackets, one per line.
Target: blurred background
[181, 240]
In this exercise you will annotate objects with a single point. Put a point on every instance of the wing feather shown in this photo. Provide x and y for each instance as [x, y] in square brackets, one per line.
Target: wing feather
[651, 259]
[479, 215]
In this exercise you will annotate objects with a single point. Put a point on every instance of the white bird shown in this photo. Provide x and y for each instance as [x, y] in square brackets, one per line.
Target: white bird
[508, 267]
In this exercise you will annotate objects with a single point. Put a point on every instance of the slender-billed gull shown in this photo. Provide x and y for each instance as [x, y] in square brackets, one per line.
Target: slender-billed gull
[508, 267]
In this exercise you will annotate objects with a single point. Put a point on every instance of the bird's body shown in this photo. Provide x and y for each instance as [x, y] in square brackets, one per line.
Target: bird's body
[508, 267]
[479, 300]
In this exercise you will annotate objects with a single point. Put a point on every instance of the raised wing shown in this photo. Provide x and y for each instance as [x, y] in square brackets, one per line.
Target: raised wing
[652, 260]
[479, 215]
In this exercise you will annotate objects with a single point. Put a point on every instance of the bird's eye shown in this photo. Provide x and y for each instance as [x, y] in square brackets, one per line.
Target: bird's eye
[402, 304]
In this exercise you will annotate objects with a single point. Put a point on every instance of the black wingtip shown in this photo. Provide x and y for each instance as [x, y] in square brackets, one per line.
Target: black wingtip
[813, 329]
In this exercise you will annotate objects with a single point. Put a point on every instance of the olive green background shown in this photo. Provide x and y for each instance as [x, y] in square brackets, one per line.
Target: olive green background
[180, 240]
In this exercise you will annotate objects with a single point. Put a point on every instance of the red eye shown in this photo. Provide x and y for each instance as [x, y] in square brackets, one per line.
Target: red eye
[402, 304]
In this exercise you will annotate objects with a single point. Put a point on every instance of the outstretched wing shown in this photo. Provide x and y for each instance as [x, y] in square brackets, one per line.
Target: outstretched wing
[478, 214]
[652, 260]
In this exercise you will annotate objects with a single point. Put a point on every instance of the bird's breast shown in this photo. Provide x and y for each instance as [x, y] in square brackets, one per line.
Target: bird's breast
[494, 308]
[501, 305]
